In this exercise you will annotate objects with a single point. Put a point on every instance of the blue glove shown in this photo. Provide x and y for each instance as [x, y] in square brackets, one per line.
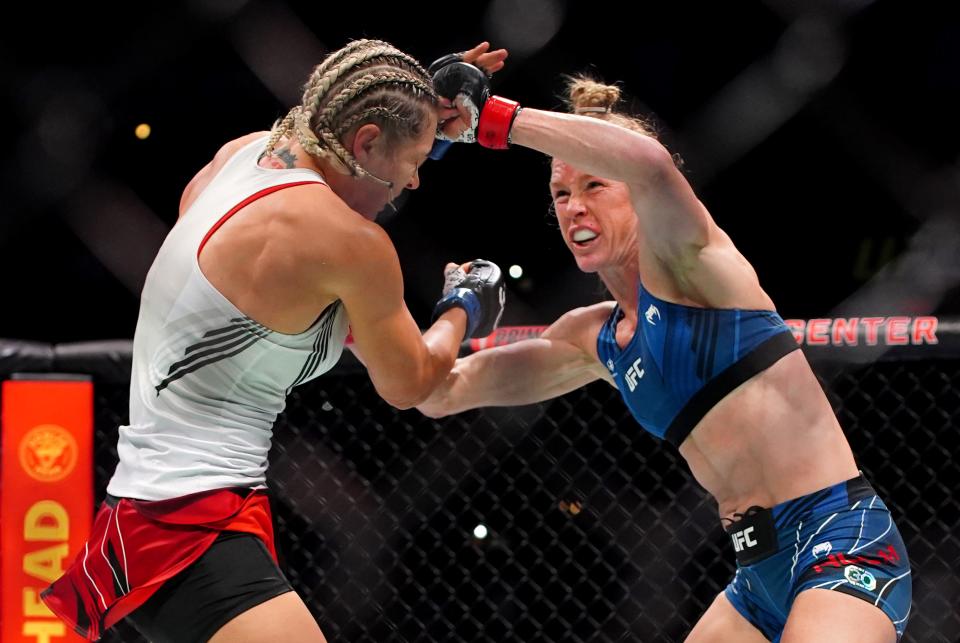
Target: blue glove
[480, 293]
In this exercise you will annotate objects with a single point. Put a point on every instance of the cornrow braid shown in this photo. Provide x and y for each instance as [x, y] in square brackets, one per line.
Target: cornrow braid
[325, 80]
[309, 141]
[280, 128]
[365, 81]
[344, 159]
[370, 45]
[337, 56]
[379, 112]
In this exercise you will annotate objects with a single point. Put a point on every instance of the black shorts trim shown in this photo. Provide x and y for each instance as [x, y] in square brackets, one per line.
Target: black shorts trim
[858, 488]
[233, 575]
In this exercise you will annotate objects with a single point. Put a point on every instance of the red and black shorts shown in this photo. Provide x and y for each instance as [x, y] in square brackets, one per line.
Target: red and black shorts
[233, 575]
[180, 568]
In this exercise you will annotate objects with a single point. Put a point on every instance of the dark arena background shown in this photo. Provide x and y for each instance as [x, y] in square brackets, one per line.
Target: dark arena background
[822, 135]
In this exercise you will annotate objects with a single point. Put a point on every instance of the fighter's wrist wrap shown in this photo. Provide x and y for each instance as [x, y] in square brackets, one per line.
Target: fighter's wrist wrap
[496, 121]
[440, 147]
[465, 299]
[479, 292]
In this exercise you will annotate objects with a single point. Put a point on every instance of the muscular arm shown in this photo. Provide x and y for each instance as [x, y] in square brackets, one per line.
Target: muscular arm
[529, 371]
[689, 249]
[307, 249]
[403, 365]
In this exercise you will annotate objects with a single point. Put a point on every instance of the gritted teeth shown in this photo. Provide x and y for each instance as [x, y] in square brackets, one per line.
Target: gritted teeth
[584, 235]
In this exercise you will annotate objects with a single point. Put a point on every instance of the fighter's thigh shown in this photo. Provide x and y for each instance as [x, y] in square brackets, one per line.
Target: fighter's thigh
[232, 576]
[823, 615]
[284, 618]
[722, 623]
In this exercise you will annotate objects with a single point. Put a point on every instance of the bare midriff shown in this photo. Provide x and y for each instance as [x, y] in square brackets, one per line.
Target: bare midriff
[772, 439]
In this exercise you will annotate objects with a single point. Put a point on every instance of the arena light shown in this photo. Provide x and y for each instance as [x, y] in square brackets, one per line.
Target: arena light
[480, 532]
[523, 27]
[516, 271]
[142, 131]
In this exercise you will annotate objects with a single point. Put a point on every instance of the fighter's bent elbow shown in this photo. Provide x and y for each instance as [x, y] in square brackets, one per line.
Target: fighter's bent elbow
[403, 402]
[414, 383]
[649, 162]
[432, 410]
[407, 393]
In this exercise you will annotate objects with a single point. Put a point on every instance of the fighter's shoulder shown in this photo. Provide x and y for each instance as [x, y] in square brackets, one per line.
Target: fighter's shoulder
[201, 179]
[581, 325]
[594, 314]
[335, 239]
[230, 148]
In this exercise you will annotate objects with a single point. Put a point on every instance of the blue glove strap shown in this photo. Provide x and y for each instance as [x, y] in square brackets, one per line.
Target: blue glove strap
[464, 298]
[439, 148]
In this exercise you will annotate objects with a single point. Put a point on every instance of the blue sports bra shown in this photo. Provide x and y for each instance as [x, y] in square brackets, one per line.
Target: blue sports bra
[683, 360]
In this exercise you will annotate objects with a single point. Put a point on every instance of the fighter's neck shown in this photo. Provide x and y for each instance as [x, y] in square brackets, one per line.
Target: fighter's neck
[288, 154]
[622, 283]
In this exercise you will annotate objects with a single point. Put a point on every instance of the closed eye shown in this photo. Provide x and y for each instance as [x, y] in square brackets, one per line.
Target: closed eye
[560, 194]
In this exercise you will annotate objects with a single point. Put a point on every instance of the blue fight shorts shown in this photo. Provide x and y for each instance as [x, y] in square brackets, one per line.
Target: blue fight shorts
[841, 538]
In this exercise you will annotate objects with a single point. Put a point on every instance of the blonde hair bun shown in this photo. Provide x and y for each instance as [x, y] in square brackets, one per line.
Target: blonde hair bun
[586, 95]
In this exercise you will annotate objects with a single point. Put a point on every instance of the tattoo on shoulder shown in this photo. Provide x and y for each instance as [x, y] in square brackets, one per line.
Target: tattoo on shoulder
[289, 158]
[279, 160]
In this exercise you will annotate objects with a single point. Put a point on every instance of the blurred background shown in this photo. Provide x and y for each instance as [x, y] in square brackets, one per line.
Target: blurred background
[822, 136]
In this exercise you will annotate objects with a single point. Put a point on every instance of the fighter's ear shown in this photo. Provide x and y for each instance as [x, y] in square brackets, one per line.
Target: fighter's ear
[367, 138]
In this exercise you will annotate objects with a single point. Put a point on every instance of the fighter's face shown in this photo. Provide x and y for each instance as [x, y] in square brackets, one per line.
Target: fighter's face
[596, 217]
[398, 163]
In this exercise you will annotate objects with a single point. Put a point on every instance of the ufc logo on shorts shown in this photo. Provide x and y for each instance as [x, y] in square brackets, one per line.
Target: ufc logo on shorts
[742, 539]
[634, 373]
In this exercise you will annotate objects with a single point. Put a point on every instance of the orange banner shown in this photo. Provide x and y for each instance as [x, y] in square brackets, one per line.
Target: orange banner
[46, 498]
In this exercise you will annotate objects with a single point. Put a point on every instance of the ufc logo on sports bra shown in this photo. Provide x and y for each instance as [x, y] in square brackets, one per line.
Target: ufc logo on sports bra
[634, 373]
[742, 539]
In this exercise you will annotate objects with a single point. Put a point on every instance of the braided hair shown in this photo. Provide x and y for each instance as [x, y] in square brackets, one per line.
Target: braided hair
[367, 81]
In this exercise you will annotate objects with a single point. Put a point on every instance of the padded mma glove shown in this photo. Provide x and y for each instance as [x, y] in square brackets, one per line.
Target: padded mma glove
[491, 117]
[480, 293]
[441, 144]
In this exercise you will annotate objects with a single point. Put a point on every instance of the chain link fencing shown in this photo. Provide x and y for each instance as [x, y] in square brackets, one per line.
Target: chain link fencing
[560, 521]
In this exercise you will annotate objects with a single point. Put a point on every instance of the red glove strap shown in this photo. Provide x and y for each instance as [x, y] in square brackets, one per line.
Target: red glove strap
[496, 119]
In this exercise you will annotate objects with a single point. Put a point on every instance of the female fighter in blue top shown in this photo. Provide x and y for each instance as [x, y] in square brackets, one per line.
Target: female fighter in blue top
[703, 360]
